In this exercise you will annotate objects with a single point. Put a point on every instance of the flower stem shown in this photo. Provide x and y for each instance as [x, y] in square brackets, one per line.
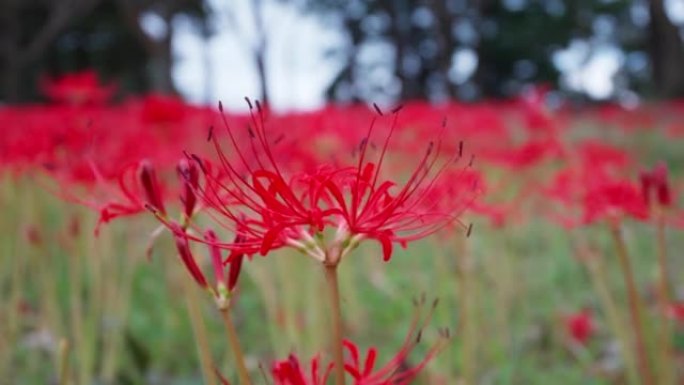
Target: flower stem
[234, 344]
[63, 362]
[665, 334]
[634, 306]
[615, 319]
[199, 332]
[334, 297]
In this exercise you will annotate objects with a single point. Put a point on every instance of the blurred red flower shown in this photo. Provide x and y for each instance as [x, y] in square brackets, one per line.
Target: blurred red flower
[580, 326]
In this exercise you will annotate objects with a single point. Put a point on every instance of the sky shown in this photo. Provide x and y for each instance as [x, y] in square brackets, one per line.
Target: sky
[298, 70]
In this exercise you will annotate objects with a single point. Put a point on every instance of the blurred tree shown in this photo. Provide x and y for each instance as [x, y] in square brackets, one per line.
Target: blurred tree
[126, 39]
[667, 51]
[256, 42]
[27, 28]
[437, 49]
[157, 42]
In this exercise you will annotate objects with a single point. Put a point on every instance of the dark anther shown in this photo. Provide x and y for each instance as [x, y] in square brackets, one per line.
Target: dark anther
[363, 143]
[431, 145]
[210, 134]
[419, 336]
[435, 302]
[378, 110]
[220, 106]
[460, 149]
[469, 231]
[472, 160]
[250, 132]
[258, 105]
[249, 102]
[397, 108]
[199, 162]
[279, 139]
[444, 122]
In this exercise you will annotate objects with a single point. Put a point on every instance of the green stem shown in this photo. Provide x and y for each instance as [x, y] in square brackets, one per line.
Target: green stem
[613, 314]
[234, 344]
[337, 346]
[199, 332]
[63, 363]
[634, 307]
[665, 334]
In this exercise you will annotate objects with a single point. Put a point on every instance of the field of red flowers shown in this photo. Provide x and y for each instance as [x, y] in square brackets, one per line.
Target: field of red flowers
[149, 241]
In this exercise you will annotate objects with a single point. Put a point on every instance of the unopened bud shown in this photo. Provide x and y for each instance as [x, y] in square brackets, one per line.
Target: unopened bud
[148, 179]
[189, 175]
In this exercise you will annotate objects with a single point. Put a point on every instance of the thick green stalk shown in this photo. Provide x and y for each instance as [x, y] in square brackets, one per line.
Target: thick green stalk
[643, 364]
[234, 344]
[336, 332]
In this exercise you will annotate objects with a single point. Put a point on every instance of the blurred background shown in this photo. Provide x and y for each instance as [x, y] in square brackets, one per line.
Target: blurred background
[535, 296]
[298, 54]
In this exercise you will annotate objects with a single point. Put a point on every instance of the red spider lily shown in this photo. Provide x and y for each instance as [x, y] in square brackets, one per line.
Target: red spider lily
[676, 312]
[274, 210]
[290, 372]
[594, 184]
[189, 175]
[225, 280]
[613, 200]
[78, 88]
[655, 184]
[396, 371]
[364, 372]
[134, 184]
[529, 154]
[580, 326]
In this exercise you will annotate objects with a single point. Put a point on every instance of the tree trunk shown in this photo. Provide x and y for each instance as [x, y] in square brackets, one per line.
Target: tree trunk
[667, 52]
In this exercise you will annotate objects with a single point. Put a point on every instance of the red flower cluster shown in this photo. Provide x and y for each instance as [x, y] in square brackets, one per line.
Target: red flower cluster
[272, 207]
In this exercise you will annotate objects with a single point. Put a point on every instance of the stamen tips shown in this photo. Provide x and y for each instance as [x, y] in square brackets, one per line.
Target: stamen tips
[220, 106]
[249, 102]
[431, 146]
[470, 230]
[460, 149]
[397, 108]
[210, 135]
[378, 110]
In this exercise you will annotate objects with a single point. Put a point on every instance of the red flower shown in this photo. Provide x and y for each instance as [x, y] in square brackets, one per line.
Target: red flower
[580, 326]
[396, 371]
[274, 209]
[614, 200]
[676, 312]
[78, 88]
[655, 184]
[290, 372]
[224, 279]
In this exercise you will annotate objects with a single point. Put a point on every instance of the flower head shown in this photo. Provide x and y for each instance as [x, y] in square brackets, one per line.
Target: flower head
[274, 206]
